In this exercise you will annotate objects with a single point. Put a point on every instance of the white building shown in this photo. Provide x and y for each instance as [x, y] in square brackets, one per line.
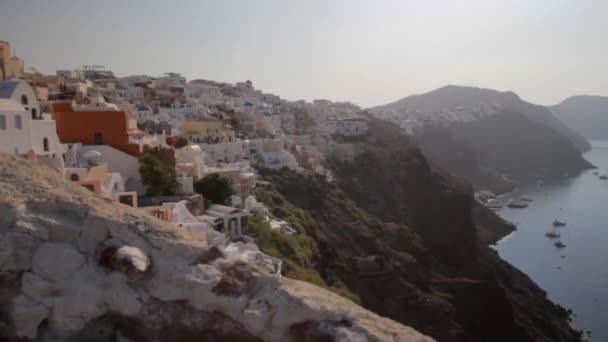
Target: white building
[271, 153]
[228, 152]
[23, 129]
[124, 164]
[144, 113]
[181, 216]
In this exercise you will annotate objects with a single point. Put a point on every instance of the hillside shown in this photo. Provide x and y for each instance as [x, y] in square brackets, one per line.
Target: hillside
[76, 268]
[444, 121]
[513, 145]
[588, 115]
[403, 238]
[480, 102]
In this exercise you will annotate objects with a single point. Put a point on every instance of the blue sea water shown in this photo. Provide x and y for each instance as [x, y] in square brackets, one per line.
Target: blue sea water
[576, 276]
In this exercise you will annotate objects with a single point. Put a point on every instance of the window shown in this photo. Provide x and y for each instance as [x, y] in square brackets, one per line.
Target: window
[24, 100]
[34, 113]
[98, 139]
[159, 214]
[18, 121]
[2, 122]
[45, 144]
[74, 177]
[126, 199]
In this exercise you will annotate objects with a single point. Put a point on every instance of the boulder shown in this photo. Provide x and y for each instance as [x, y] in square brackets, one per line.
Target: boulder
[95, 231]
[37, 288]
[56, 261]
[26, 315]
[119, 297]
[16, 251]
[35, 230]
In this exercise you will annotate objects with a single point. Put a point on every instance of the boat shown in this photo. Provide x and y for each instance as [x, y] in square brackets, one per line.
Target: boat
[525, 199]
[552, 234]
[559, 244]
[494, 204]
[517, 204]
[558, 223]
[595, 173]
[603, 177]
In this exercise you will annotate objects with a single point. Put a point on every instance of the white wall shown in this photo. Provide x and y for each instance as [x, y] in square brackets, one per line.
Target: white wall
[12, 140]
[125, 164]
[40, 129]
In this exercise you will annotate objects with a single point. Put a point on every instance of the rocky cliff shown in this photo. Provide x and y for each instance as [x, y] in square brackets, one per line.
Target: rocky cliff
[486, 137]
[76, 268]
[405, 240]
[511, 144]
[588, 115]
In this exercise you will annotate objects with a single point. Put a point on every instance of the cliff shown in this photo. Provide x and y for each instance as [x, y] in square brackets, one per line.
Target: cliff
[511, 144]
[404, 239]
[74, 267]
[588, 115]
[488, 138]
[457, 98]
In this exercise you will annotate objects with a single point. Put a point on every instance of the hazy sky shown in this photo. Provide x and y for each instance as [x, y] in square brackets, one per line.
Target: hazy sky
[369, 52]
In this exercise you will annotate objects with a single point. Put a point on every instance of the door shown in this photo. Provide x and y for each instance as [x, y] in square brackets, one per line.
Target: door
[98, 139]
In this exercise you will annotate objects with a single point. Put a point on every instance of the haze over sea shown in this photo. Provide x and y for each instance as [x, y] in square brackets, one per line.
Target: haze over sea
[576, 276]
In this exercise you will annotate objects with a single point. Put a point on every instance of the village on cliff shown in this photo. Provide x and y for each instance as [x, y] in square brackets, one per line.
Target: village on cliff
[95, 129]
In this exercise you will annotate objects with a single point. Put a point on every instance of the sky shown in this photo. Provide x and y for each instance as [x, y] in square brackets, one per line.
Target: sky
[367, 52]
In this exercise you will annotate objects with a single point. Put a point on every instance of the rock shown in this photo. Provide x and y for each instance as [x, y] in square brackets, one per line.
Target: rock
[79, 300]
[175, 279]
[56, 261]
[37, 288]
[119, 297]
[8, 217]
[309, 331]
[141, 281]
[27, 227]
[236, 281]
[210, 255]
[95, 232]
[177, 321]
[16, 251]
[26, 316]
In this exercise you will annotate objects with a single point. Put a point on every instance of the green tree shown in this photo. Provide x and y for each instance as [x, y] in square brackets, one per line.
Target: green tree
[214, 188]
[158, 177]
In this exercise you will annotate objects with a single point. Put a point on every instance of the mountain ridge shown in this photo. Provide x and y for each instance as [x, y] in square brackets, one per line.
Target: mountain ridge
[451, 96]
[586, 114]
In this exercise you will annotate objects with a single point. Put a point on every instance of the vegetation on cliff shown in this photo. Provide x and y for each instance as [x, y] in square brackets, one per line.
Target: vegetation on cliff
[297, 251]
[403, 238]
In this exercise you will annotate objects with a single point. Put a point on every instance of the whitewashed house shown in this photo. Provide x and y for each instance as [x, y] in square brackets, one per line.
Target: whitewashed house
[24, 131]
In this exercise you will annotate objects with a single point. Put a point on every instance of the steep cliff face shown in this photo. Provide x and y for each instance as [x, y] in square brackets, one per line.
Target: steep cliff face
[513, 145]
[402, 237]
[588, 115]
[76, 268]
[486, 137]
[475, 102]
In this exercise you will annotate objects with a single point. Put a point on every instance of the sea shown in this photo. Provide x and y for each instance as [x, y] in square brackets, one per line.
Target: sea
[575, 276]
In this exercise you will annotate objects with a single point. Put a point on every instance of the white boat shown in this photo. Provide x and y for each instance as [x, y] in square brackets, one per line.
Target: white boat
[517, 204]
